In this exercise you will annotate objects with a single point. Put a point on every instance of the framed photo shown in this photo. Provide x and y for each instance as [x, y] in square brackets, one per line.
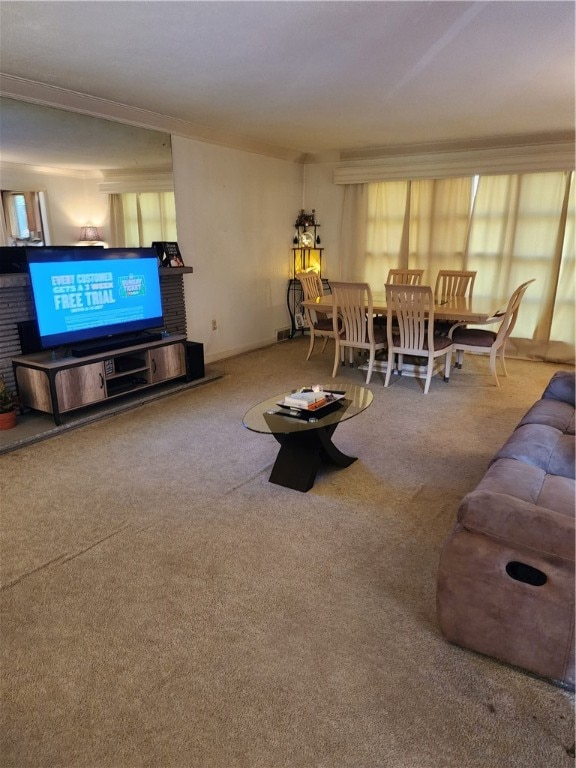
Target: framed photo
[299, 320]
[168, 254]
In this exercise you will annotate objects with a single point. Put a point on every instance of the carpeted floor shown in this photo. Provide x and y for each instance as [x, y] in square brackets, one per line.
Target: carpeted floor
[164, 605]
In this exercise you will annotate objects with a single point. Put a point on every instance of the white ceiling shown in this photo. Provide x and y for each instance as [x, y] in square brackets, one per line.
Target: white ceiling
[308, 77]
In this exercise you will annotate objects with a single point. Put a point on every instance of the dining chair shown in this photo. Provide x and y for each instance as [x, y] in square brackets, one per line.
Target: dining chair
[353, 324]
[412, 309]
[453, 282]
[405, 276]
[319, 323]
[400, 277]
[482, 341]
[450, 283]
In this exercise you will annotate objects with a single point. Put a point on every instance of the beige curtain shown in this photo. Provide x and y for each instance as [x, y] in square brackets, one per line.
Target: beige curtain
[140, 218]
[352, 256]
[116, 216]
[563, 325]
[518, 232]
[438, 224]
[509, 228]
[386, 232]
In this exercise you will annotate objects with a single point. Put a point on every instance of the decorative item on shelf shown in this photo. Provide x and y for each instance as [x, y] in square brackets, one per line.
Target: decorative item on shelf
[168, 254]
[8, 404]
[89, 234]
[306, 249]
[306, 257]
[306, 219]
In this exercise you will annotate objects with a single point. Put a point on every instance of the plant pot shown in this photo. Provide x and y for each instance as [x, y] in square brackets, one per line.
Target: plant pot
[8, 420]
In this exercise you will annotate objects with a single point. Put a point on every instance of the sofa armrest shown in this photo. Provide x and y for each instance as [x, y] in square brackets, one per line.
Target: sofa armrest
[518, 522]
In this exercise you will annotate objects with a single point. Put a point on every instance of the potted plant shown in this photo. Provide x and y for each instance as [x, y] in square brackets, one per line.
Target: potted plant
[7, 406]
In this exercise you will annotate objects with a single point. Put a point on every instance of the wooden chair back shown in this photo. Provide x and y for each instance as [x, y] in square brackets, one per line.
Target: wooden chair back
[453, 282]
[511, 315]
[412, 309]
[405, 276]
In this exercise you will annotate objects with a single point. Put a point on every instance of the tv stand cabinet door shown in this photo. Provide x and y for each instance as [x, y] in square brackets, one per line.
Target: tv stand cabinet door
[167, 362]
[80, 386]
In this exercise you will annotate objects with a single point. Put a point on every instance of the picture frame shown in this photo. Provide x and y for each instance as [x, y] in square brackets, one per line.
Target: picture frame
[299, 320]
[168, 253]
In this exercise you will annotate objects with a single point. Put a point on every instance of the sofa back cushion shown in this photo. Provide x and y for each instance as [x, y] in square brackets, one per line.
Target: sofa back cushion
[541, 446]
[552, 413]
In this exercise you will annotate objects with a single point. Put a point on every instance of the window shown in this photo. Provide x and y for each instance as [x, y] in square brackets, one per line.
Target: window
[22, 213]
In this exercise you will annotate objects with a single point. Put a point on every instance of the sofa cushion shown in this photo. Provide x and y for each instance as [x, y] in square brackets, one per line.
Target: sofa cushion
[530, 484]
[541, 446]
[562, 387]
[518, 523]
[553, 413]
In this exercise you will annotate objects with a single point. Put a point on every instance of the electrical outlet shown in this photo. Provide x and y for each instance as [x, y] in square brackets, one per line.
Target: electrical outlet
[214, 325]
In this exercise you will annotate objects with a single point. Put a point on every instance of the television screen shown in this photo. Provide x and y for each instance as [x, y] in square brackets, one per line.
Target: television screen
[82, 294]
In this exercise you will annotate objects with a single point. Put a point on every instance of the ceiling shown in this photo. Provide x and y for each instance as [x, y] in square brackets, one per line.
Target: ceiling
[303, 77]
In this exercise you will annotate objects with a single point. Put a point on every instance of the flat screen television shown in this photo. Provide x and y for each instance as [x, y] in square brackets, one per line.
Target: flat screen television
[88, 298]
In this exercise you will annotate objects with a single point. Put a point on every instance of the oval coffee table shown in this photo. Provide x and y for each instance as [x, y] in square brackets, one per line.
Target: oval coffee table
[306, 440]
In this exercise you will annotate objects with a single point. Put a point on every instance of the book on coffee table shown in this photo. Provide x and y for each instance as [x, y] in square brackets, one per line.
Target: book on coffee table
[310, 401]
[304, 399]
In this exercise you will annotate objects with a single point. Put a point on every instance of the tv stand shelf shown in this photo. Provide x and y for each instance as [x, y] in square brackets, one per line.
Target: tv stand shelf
[57, 384]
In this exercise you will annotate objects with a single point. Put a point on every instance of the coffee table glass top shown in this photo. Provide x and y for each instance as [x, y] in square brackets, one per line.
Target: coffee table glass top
[268, 417]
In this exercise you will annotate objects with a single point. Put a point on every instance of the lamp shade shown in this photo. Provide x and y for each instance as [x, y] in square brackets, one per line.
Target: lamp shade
[89, 234]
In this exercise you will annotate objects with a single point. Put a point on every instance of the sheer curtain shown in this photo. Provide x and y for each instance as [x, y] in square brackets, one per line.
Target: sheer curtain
[116, 216]
[518, 232]
[138, 219]
[439, 216]
[353, 232]
[386, 233]
[509, 228]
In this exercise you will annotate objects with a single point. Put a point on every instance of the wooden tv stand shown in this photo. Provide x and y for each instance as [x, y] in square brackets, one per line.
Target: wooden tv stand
[55, 384]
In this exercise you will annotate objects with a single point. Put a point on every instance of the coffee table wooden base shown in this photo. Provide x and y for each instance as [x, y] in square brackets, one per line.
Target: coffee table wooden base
[302, 453]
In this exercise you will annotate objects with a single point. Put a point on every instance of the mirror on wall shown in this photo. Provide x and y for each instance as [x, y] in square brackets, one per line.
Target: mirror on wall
[37, 135]
[73, 162]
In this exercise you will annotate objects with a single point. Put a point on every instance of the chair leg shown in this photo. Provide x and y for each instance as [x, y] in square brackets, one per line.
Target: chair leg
[325, 343]
[493, 353]
[311, 347]
[370, 365]
[429, 370]
[502, 359]
[337, 353]
[447, 366]
[389, 367]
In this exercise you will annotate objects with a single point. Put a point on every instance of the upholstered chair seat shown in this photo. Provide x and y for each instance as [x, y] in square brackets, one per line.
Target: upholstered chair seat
[474, 337]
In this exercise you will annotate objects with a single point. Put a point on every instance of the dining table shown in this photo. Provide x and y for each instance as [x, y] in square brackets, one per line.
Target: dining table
[464, 309]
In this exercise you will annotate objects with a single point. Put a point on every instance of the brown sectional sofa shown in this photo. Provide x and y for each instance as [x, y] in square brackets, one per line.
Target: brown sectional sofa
[506, 574]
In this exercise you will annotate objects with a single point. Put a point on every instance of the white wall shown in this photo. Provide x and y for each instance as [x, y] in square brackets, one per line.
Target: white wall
[235, 212]
[72, 200]
[326, 198]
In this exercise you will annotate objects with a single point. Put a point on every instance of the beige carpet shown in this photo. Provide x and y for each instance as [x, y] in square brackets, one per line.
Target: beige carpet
[164, 605]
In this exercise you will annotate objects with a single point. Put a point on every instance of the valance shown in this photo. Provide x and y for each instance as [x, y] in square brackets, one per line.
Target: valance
[527, 158]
